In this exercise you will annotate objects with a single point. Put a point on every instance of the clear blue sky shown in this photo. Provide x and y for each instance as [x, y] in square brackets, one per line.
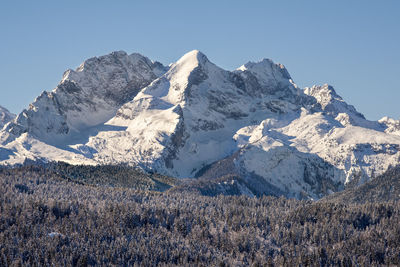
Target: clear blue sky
[352, 45]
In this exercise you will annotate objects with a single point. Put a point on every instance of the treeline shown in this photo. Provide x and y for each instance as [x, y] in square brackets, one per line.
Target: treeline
[47, 220]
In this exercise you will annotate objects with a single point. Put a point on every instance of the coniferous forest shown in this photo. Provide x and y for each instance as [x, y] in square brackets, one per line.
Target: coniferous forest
[54, 216]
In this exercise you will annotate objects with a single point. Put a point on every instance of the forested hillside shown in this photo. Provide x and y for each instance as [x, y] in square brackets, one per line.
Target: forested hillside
[46, 219]
[112, 175]
[385, 187]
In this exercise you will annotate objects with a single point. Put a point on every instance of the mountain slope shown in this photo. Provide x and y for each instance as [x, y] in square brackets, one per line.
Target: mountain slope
[385, 187]
[86, 97]
[188, 112]
[5, 116]
[194, 119]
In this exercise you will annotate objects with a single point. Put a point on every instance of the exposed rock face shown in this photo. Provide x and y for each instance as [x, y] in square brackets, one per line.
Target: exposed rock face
[5, 116]
[196, 119]
[86, 97]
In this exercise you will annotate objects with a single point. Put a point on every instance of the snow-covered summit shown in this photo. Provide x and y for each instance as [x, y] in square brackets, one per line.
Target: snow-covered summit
[331, 102]
[195, 57]
[266, 69]
[334, 105]
[271, 77]
[194, 118]
[189, 70]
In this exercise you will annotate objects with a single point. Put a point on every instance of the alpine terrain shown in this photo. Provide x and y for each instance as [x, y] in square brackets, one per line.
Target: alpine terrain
[5, 116]
[252, 128]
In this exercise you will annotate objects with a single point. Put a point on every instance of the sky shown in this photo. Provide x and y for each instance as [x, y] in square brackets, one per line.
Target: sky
[351, 45]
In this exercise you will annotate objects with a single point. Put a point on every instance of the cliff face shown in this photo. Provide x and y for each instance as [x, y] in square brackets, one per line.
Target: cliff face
[5, 116]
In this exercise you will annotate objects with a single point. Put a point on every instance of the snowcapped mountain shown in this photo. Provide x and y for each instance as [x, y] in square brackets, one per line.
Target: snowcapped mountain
[84, 98]
[194, 119]
[5, 116]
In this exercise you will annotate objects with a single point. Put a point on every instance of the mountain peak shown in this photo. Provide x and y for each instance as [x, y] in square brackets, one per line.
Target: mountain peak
[194, 57]
[86, 97]
[115, 57]
[176, 84]
[325, 89]
[265, 67]
[250, 64]
[334, 105]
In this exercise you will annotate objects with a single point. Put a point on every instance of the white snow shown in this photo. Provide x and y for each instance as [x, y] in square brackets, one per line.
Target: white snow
[193, 114]
[54, 234]
[5, 116]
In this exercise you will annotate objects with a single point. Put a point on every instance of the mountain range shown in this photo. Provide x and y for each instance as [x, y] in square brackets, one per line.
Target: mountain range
[252, 130]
